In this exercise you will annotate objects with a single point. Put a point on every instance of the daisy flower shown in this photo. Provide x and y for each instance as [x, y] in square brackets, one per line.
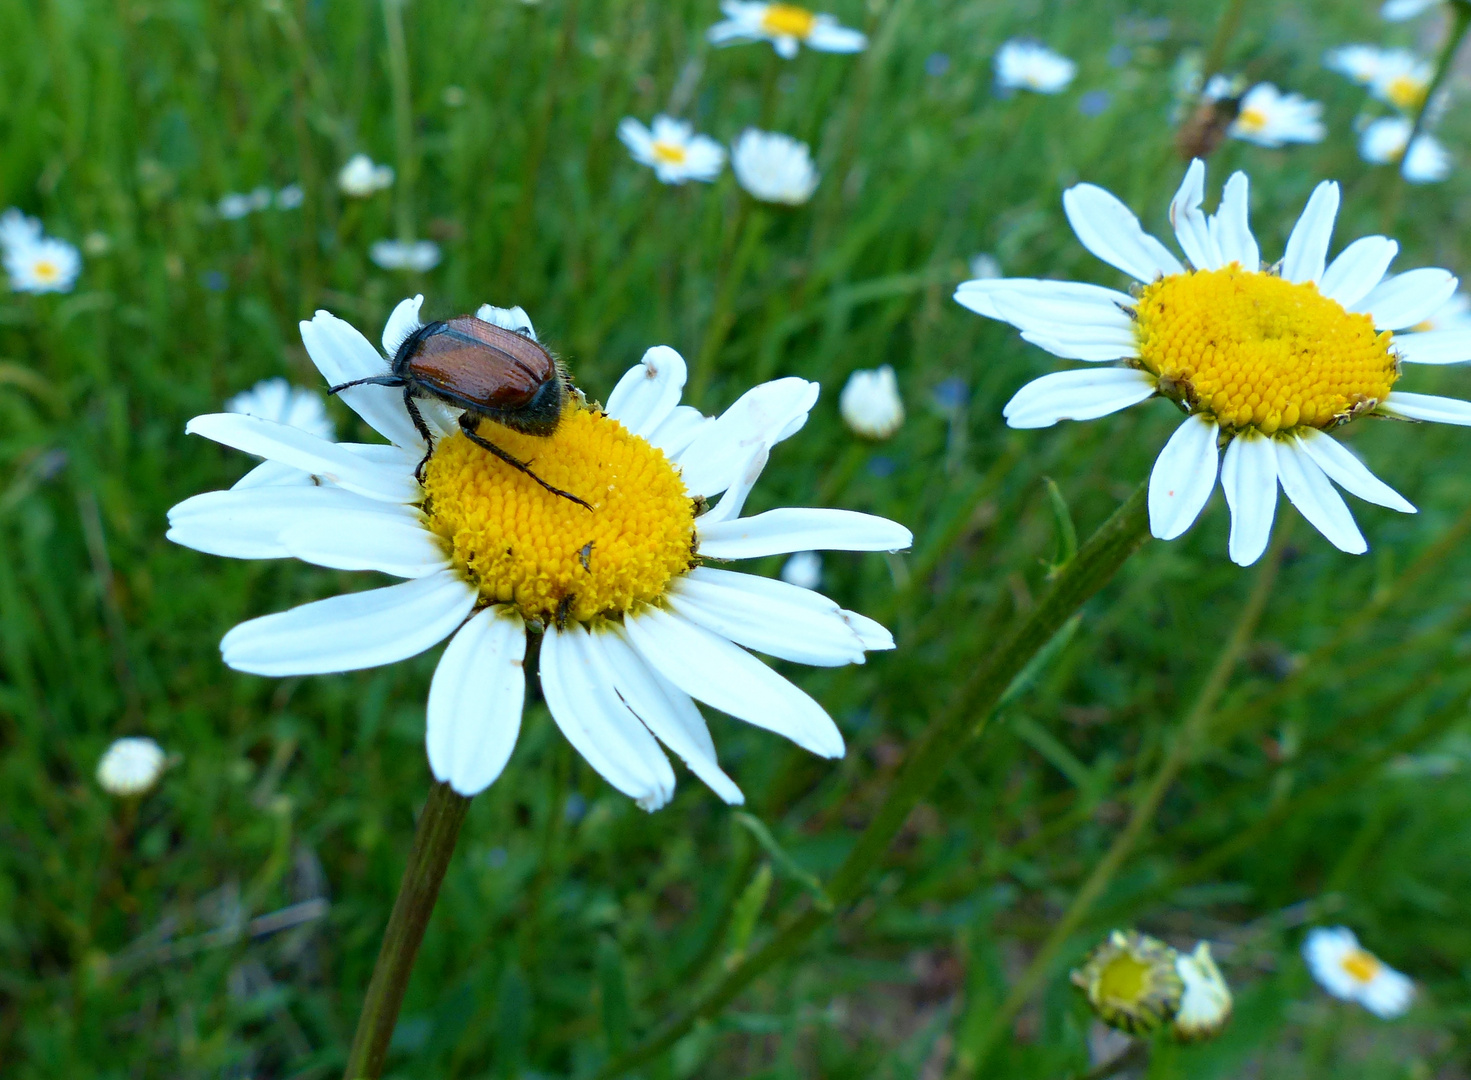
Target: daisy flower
[634, 625]
[290, 197]
[1027, 65]
[276, 399]
[1454, 314]
[1131, 982]
[870, 403]
[1401, 10]
[419, 256]
[1269, 117]
[40, 266]
[1361, 63]
[131, 766]
[1382, 142]
[18, 230]
[1351, 973]
[804, 569]
[360, 177]
[1264, 360]
[1205, 1005]
[773, 167]
[786, 26]
[1402, 79]
[672, 149]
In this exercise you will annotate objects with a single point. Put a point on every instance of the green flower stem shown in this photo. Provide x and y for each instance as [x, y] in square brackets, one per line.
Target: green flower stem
[434, 843]
[751, 227]
[926, 761]
[403, 118]
[1215, 57]
[1186, 743]
[1460, 24]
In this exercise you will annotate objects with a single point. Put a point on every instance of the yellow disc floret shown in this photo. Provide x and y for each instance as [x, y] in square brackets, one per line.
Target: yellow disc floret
[546, 555]
[788, 20]
[1254, 350]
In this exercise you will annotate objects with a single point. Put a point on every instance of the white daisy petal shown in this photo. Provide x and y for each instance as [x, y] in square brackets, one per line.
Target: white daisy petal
[403, 322]
[364, 540]
[1388, 994]
[874, 635]
[979, 295]
[1192, 229]
[1348, 472]
[246, 523]
[1434, 347]
[768, 616]
[648, 391]
[726, 677]
[273, 474]
[1076, 395]
[1358, 268]
[1231, 225]
[514, 319]
[580, 694]
[678, 430]
[1431, 408]
[667, 711]
[1307, 247]
[1098, 313]
[1094, 348]
[475, 701]
[1249, 478]
[1183, 477]
[734, 500]
[1110, 230]
[829, 37]
[1409, 298]
[302, 450]
[762, 416]
[342, 355]
[358, 630]
[790, 528]
[1309, 490]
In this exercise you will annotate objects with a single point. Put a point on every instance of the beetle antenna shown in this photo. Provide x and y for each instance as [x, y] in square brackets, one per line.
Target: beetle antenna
[371, 380]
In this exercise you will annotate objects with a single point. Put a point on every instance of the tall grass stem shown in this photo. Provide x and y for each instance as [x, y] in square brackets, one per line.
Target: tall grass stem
[403, 119]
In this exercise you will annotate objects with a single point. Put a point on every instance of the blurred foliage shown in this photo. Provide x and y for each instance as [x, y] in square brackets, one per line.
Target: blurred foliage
[1335, 787]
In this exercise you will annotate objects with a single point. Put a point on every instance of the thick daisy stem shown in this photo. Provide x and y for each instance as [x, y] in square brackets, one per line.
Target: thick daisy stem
[1181, 750]
[434, 843]
[926, 761]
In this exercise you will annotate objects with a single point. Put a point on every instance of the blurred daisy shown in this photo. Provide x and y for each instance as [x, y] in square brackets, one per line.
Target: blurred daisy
[804, 570]
[1131, 982]
[1361, 63]
[1400, 10]
[18, 230]
[1382, 142]
[41, 266]
[1454, 314]
[1026, 65]
[1269, 117]
[1265, 360]
[234, 206]
[1402, 79]
[1205, 1005]
[1351, 973]
[130, 766]
[985, 265]
[773, 167]
[672, 149]
[416, 255]
[290, 197]
[360, 177]
[786, 26]
[870, 403]
[634, 628]
[277, 400]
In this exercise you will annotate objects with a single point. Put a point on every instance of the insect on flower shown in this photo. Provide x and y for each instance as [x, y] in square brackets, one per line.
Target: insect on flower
[504, 376]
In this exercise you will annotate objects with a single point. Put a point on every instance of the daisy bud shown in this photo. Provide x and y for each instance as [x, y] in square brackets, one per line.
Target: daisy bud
[870, 403]
[1131, 982]
[360, 178]
[130, 766]
[775, 168]
[1205, 1006]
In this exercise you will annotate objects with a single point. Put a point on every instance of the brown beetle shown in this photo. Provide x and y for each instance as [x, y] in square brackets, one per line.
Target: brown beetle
[489, 372]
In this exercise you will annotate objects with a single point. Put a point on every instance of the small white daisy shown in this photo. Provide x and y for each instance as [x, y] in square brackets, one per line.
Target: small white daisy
[290, 197]
[1401, 10]
[416, 255]
[1361, 63]
[672, 149]
[1402, 79]
[276, 399]
[804, 570]
[1205, 1006]
[774, 167]
[131, 766]
[870, 403]
[1382, 142]
[786, 26]
[360, 177]
[1264, 360]
[1454, 314]
[1351, 973]
[18, 230]
[635, 626]
[234, 206]
[1027, 65]
[42, 266]
[1269, 117]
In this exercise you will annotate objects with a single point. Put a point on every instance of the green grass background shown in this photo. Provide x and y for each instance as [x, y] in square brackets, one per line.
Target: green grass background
[1335, 787]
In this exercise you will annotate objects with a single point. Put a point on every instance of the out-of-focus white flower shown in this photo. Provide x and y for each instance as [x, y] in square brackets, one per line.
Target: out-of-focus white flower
[96, 243]
[774, 167]
[786, 26]
[985, 266]
[1402, 79]
[672, 149]
[1382, 142]
[45, 265]
[1361, 63]
[360, 178]
[1269, 117]
[1400, 10]
[416, 255]
[234, 206]
[804, 570]
[260, 198]
[276, 399]
[290, 197]
[1454, 314]
[1205, 1006]
[18, 230]
[1351, 973]
[1223, 86]
[131, 766]
[1027, 65]
[870, 403]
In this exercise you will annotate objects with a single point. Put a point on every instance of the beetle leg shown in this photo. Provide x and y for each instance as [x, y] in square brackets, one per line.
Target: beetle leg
[467, 425]
[418, 418]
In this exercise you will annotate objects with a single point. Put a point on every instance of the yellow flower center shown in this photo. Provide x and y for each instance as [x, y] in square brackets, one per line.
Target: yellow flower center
[45, 270]
[788, 20]
[670, 153]
[553, 559]
[1253, 350]
[1252, 119]
[1124, 980]
[1405, 92]
[1361, 965]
